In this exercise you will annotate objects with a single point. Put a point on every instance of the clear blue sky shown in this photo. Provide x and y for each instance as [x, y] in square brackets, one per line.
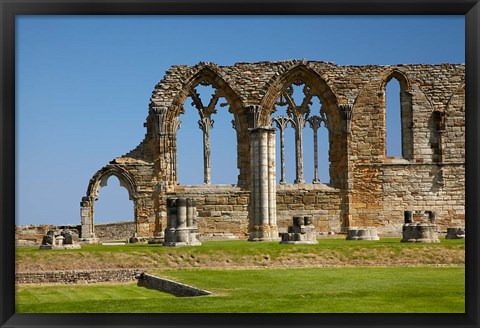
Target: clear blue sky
[84, 83]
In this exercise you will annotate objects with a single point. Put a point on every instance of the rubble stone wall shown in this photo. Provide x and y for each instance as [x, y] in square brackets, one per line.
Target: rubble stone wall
[77, 276]
[115, 230]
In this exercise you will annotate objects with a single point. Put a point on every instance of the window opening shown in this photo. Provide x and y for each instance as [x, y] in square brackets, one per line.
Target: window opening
[393, 118]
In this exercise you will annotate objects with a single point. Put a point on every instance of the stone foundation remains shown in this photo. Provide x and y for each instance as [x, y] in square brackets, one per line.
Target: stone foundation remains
[65, 240]
[301, 232]
[182, 227]
[455, 233]
[420, 232]
[77, 276]
[362, 234]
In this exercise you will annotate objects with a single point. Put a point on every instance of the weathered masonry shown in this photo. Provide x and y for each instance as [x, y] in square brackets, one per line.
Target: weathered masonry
[367, 188]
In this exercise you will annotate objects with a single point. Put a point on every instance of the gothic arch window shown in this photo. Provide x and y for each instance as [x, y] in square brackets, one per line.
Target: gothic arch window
[299, 107]
[398, 117]
[204, 144]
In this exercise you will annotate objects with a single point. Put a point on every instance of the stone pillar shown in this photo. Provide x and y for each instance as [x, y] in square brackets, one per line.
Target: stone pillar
[206, 124]
[272, 187]
[299, 122]
[282, 122]
[182, 227]
[86, 215]
[176, 126]
[315, 122]
[346, 114]
[262, 212]
[191, 211]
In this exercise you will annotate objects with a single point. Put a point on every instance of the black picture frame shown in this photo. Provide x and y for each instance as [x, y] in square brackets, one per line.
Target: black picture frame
[11, 8]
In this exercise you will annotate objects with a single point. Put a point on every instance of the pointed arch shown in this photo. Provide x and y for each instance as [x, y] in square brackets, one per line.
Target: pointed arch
[400, 76]
[406, 111]
[209, 74]
[310, 76]
[302, 72]
[101, 176]
[201, 73]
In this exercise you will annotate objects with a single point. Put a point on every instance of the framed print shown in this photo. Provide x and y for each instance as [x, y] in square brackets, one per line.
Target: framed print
[211, 163]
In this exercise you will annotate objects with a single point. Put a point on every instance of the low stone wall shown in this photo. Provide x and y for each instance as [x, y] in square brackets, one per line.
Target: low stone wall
[78, 276]
[114, 231]
[169, 286]
[31, 235]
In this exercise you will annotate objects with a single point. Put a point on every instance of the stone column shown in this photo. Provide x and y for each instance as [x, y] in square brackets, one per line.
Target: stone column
[282, 122]
[315, 122]
[440, 125]
[86, 216]
[176, 126]
[206, 124]
[191, 211]
[181, 233]
[299, 122]
[346, 114]
[262, 212]
[272, 187]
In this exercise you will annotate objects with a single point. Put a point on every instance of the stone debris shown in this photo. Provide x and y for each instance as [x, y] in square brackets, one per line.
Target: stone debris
[65, 240]
[301, 232]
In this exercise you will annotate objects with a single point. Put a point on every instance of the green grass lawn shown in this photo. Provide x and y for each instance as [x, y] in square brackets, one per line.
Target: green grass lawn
[301, 290]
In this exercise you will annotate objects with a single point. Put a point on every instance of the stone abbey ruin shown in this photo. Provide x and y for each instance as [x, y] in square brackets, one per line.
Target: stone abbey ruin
[367, 188]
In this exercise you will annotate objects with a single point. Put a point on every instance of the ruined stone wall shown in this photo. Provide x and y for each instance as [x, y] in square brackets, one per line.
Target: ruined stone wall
[78, 276]
[367, 188]
[432, 177]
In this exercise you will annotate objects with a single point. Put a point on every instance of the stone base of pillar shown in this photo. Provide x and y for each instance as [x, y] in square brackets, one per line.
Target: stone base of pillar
[159, 238]
[455, 233]
[182, 237]
[420, 233]
[92, 240]
[301, 232]
[362, 234]
[264, 233]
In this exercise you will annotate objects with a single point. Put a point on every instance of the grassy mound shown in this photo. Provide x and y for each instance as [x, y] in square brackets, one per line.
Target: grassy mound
[242, 254]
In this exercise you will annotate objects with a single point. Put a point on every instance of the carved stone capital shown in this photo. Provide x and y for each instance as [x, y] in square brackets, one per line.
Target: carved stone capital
[346, 113]
[315, 122]
[206, 124]
[282, 122]
[253, 112]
